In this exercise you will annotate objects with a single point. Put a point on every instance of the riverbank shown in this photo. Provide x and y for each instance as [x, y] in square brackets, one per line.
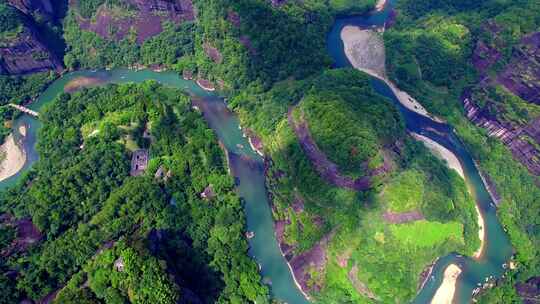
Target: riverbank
[451, 160]
[454, 164]
[14, 157]
[364, 48]
[379, 7]
[445, 293]
[481, 234]
[82, 82]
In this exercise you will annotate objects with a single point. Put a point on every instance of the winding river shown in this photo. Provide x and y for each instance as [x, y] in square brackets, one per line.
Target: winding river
[497, 248]
[248, 167]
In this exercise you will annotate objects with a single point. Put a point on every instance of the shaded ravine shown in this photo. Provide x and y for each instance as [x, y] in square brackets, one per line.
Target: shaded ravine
[246, 165]
[497, 249]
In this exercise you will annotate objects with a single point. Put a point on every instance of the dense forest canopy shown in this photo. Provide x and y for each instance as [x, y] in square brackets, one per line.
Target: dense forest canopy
[83, 199]
[440, 50]
[110, 237]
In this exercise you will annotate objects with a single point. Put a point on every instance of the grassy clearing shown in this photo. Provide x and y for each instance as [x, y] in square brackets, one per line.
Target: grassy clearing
[427, 234]
[405, 192]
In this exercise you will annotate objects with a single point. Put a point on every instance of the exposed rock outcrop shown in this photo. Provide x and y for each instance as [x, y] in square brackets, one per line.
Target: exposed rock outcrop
[529, 291]
[522, 141]
[27, 54]
[522, 75]
[146, 18]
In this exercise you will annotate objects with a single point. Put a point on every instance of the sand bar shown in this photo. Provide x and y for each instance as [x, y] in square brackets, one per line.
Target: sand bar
[445, 293]
[437, 149]
[380, 5]
[22, 130]
[481, 234]
[364, 49]
[14, 158]
[82, 82]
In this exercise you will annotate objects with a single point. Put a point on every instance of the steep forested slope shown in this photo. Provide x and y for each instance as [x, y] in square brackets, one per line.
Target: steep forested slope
[270, 58]
[477, 61]
[173, 244]
[343, 244]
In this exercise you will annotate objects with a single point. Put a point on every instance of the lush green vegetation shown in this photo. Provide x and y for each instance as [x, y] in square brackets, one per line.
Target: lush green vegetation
[273, 58]
[362, 237]
[405, 191]
[439, 79]
[364, 129]
[82, 198]
[10, 20]
[167, 48]
[19, 90]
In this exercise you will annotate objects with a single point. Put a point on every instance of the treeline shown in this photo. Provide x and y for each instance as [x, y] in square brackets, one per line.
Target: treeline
[19, 90]
[174, 244]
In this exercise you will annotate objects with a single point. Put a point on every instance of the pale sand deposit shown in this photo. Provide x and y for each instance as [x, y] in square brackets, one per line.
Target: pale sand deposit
[22, 130]
[380, 5]
[454, 163]
[450, 158]
[14, 158]
[481, 234]
[82, 82]
[365, 50]
[445, 293]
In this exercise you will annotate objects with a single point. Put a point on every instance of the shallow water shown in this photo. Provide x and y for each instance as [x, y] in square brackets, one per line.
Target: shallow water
[498, 249]
[245, 164]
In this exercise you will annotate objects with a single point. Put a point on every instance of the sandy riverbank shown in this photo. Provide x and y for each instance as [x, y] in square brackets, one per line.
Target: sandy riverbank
[82, 82]
[454, 163]
[380, 5]
[481, 234]
[364, 49]
[14, 158]
[450, 158]
[445, 293]
[22, 130]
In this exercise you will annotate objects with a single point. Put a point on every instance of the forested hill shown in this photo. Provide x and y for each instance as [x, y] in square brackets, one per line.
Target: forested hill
[115, 237]
[348, 185]
[476, 64]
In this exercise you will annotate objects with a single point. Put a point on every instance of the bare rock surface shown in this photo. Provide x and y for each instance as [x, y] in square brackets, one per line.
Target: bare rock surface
[529, 291]
[146, 18]
[520, 77]
[27, 53]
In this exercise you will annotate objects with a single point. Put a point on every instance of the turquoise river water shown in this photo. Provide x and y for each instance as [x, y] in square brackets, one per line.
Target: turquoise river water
[247, 166]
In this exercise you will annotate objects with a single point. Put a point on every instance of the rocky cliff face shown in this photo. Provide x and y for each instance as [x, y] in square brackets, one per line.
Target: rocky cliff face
[43, 8]
[521, 140]
[26, 52]
[520, 77]
[146, 19]
[530, 290]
